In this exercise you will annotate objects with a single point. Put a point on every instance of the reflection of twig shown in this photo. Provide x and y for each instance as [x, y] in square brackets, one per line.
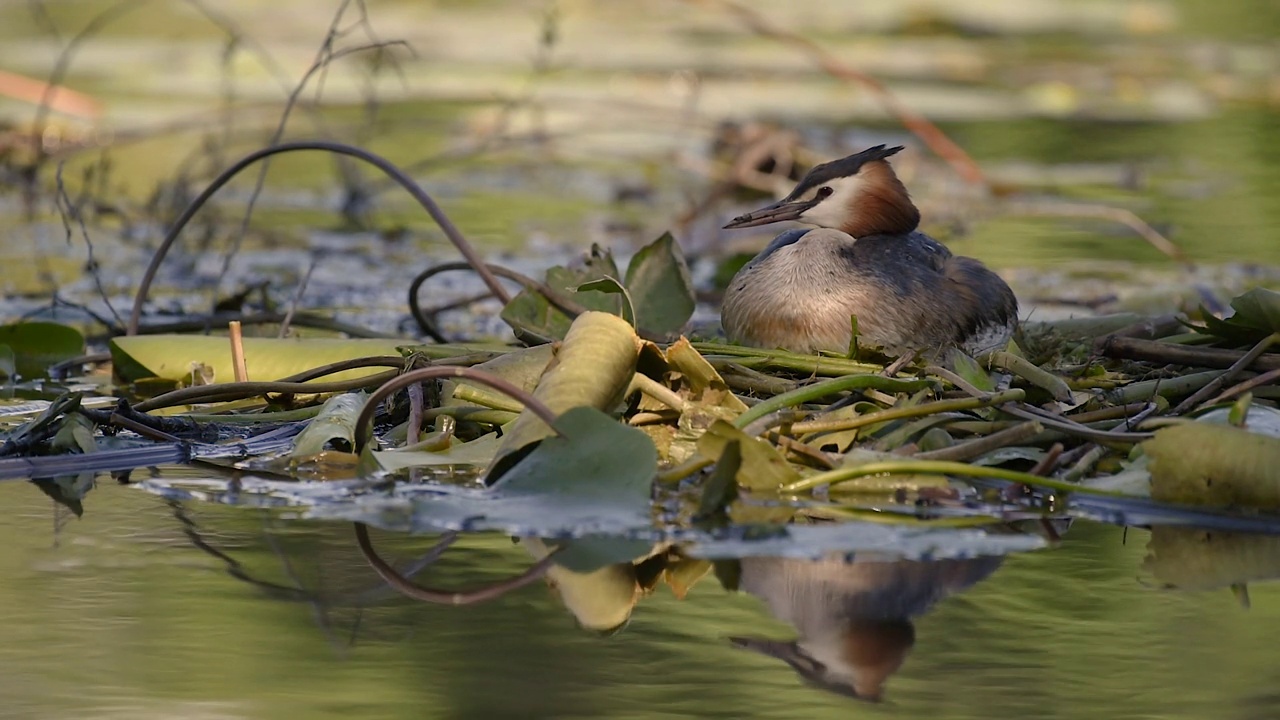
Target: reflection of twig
[1128, 218]
[445, 597]
[918, 124]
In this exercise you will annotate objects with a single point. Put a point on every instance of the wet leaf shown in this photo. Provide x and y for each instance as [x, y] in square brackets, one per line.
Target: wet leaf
[660, 287]
[173, 356]
[1215, 465]
[762, 467]
[599, 467]
[37, 345]
[721, 487]
[587, 554]
[592, 368]
[478, 452]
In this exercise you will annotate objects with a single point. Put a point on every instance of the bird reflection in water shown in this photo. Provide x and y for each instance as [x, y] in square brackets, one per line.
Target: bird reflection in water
[853, 619]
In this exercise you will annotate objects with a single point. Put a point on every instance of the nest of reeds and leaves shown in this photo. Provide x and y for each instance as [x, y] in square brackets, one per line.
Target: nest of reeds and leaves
[612, 420]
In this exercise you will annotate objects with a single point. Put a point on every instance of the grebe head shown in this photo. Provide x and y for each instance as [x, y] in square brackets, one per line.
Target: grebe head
[859, 194]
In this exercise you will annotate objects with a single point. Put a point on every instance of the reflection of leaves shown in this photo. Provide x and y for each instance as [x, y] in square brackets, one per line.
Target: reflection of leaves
[37, 345]
[68, 490]
[660, 287]
[1195, 559]
[587, 554]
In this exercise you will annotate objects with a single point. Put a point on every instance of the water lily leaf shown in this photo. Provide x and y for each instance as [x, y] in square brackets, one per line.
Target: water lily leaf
[1194, 559]
[333, 429]
[1257, 314]
[660, 287]
[1259, 308]
[592, 368]
[37, 345]
[530, 312]
[478, 452]
[1214, 465]
[612, 285]
[173, 356]
[598, 468]
[75, 435]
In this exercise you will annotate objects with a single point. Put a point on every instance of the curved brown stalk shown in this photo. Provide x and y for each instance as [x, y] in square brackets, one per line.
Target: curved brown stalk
[365, 421]
[222, 392]
[558, 300]
[444, 597]
[386, 166]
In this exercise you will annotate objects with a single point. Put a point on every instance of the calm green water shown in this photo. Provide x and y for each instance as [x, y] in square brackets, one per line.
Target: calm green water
[120, 614]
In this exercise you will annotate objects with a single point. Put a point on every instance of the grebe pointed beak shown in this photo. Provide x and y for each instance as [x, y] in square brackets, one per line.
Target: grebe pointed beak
[777, 212]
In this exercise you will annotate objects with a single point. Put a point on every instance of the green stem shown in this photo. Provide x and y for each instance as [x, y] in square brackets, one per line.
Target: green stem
[897, 413]
[822, 389]
[1029, 371]
[792, 361]
[939, 467]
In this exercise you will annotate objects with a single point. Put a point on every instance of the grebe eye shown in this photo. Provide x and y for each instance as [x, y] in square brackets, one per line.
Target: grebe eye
[824, 192]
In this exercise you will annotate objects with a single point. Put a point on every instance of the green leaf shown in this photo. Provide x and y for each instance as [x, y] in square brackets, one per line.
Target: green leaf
[1214, 465]
[37, 345]
[173, 356]
[969, 369]
[530, 312]
[597, 467]
[1259, 308]
[660, 286]
[609, 284]
[721, 488]
[478, 452]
